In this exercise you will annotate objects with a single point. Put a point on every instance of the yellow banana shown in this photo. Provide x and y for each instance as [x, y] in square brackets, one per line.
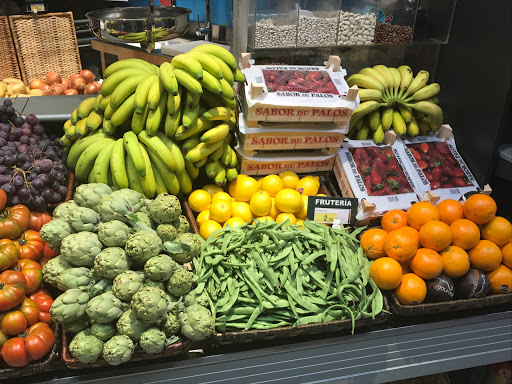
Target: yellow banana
[173, 102]
[189, 64]
[365, 81]
[104, 102]
[191, 170]
[226, 156]
[370, 94]
[179, 161]
[220, 177]
[433, 111]
[109, 111]
[406, 113]
[96, 106]
[405, 79]
[207, 63]
[399, 124]
[141, 65]
[155, 116]
[156, 92]
[211, 83]
[133, 176]
[227, 90]
[141, 93]
[110, 84]
[124, 112]
[118, 165]
[387, 118]
[395, 74]
[147, 181]
[216, 50]
[419, 82]
[425, 93]
[74, 117]
[188, 81]
[227, 73]
[168, 78]
[132, 147]
[202, 150]
[364, 109]
[217, 154]
[108, 128]
[378, 135]
[374, 119]
[190, 143]
[155, 144]
[215, 134]
[375, 75]
[80, 128]
[413, 128]
[102, 164]
[190, 116]
[172, 123]
[200, 125]
[85, 108]
[139, 120]
[66, 142]
[93, 121]
[192, 99]
[234, 159]
[185, 182]
[218, 113]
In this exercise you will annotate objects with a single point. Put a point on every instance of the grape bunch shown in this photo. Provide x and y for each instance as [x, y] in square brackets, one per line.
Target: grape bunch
[32, 164]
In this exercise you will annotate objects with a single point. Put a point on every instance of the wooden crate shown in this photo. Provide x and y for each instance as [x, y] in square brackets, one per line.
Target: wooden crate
[45, 43]
[8, 61]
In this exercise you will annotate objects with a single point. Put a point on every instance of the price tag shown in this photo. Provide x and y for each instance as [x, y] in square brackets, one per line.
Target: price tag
[327, 210]
[39, 7]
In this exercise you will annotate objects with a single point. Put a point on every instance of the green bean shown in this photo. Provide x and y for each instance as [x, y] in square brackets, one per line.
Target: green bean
[226, 318]
[205, 277]
[223, 285]
[298, 299]
[257, 311]
[230, 303]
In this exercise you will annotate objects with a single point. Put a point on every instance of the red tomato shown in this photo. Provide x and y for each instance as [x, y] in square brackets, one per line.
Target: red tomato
[13, 323]
[32, 271]
[40, 291]
[3, 199]
[44, 303]
[9, 254]
[13, 221]
[48, 253]
[38, 219]
[12, 289]
[19, 351]
[30, 245]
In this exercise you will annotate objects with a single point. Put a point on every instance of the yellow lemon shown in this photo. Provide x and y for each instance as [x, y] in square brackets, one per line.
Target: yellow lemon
[286, 216]
[290, 179]
[234, 222]
[308, 186]
[263, 219]
[202, 217]
[245, 188]
[222, 196]
[220, 210]
[261, 203]
[321, 194]
[241, 210]
[303, 211]
[288, 200]
[199, 200]
[212, 189]
[274, 211]
[232, 188]
[207, 228]
[272, 184]
[300, 223]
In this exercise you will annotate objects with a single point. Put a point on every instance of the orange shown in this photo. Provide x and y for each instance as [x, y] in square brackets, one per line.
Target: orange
[286, 216]
[400, 244]
[261, 203]
[420, 213]
[372, 242]
[220, 211]
[207, 228]
[426, 263]
[405, 267]
[241, 210]
[412, 232]
[501, 279]
[450, 210]
[212, 189]
[455, 261]
[290, 179]
[245, 188]
[234, 222]
[412, 290]
[272, 184]
[232, 188]
[435, 235]
[394, 219]
[465, 233]
[222, 196]
[485, 256]
[480, 208]
[288, 200]
[498, 230]
[199, 200]
[506, 252]
[202, 217]
[386, 273]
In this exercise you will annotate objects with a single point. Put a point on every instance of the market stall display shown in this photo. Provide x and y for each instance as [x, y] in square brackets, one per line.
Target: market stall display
[52, 84]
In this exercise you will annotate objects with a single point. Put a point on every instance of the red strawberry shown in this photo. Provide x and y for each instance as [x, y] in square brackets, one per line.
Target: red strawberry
[373, 151]
[393, 182]
[364, 167]
[437, 172]
[422, 164]
[387, 190]
[424, 156]
[368, 185]
[424, 147]
[443, 179]
[380, 192]
[448, 169]
[435, 185]
[298, 75]
[375, 179]
[458, 172]
[451, 159]
[389, 154]
[381, 159]
[458, 182]
[380, 169]
[403, 181]
[314, 75]
[404, 189]
[428, 175]
[360, 154]
[442, 147]
[394, 167]
[446, 186]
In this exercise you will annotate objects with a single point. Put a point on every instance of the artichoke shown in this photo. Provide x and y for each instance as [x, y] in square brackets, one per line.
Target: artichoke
[63, 210]
[184, 248]
[149, 304]
[79, 335]
[130, 325]
[164, 208]
[180, 282]
[196, 322]
[193, 298]
[87, 349]
[103, 331]
[126, 284]
[53, 269]
[153, 341]
[84, 219]
[154, 283]
[134, 198]
[69, 306]
[181, 224]
[118, 350]
[144, 217]
[75, 278]
[172, 325]
[105, 308]
[89, 195]
[81, 248]
[54, 232]
[175, 305]
[111, 262]
[166, 232]
[143, 245]
[115, 207]
[77, 325]
[160, 268]
[113, 233]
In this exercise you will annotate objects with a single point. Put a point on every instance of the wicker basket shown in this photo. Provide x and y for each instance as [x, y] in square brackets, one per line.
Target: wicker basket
[45, 43]
[8, 61]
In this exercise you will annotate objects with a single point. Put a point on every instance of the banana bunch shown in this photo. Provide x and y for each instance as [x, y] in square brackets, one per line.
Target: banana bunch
[394, 98]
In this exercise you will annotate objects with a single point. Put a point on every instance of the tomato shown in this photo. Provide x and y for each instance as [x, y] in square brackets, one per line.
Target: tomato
[3, 338]
[38, 219]
[9, 254]
[44, 303]
[13, 221]
[48, 253]
[13, 323]
[32, 271]
[3, 199]
[12, 289]
[38, 341]
[30, 245]
[40, 291]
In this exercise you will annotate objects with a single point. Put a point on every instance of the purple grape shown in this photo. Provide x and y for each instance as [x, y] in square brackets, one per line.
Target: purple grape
[58, 166]
[31, 177]
[4, 179]
[19, 121]
[38, 129]
[36, 169]
[17, 132]
[40, 204]
[24, 139]
[63, 191]
[28, 201]
[21, 158]
[50, 154]
[54, 185]
[8, 189]
[7, 102]
[24, 192]
[23, 148]
[3, 168]
[31, 147]
[47, 194]
[36, 137]
[4, 135]
[46, 165]
[2, 142]
[38, 184]
[25, 166]
[43, 144]
[59, 176]
[12, 137]
[18, 181]
[15, 200]
[9, 160]
[31, 119]
[44, 178]
[31, 141]
[55, 198]
[2, 109]
[2, 160]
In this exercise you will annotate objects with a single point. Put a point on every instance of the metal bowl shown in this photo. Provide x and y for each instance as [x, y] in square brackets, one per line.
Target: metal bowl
[132, 24]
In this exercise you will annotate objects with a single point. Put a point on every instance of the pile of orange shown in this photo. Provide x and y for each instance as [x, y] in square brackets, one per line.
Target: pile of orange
[449, 238]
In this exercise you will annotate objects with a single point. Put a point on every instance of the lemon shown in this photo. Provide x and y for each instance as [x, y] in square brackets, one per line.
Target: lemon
[241, 210]
[234, 222]
[272, 184]
[202, 217]
[212, 189]
[222, 196]
[245, 188]
[290, 179]
[286, 216]
[263, 219]
[303, 211]
[300, 223]
[199, 200]
[207, 228]
[274, 211]
[220, 211]
[321, 194]
[308, 186]
[288, 200]
[261, 203]
[232, 188]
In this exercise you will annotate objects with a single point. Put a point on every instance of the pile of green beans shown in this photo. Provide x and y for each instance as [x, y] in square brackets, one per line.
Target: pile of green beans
[269, 275]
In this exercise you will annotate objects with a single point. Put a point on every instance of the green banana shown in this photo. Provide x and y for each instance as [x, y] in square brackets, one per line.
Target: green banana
[110, 84]
[80, 146]
[185, 182]
[190, 116]
[200, 163]
[131, 145]
[168, 78]
[433, 111]
[118, 165]
[218, 51]
[108, 128]
[413, 128]
[189, 64]
[231, 174]
[139, 120]
[156, 92]
[424, 126]
[374, 119]
[207, 63]
[220, 177]
[126, 88]
[217, 154]
[172, 123]
[211, 168]
[87, 158]
[211, 83]
[124, 112]
[191, 170]
[147, 181]
[210, 100]
[227, 74]
[230, 103]
[155, 144]
[387, 118]
[378, 135]
[190, 143]
[96, 106]
[226, 156]
[133, 176]
[160, 183]
[93, 121]
[104, 102]
[239, 76]
[192, 99]
[188, 81]
[102, 164]
[399, 124]
[80, 128]
[406, 113]
[155, 116]
[171, 181]
[363, 109]
[136, 64]
[227, 91]
[176, 152]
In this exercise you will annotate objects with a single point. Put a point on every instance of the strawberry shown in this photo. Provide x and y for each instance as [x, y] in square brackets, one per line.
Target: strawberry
[368, 185]
[448, 169]
[404, 189]
[380, 169]
[458, 182]
[437, 172]
[422, 164]
[375, 179]
[380, 192]
[446, 186]
[360, 154]
[387, 190]
[442, 147]
[451, 159]
[415, 154]
[393, 182]
[373, 151]
[428, 175]
[394, 167]
[458, 172]
[424, 147]
[364, 167]
[389, 155]
[435, 185]
[402, 180]
[424, 156]
[443, 179]
[381, 159]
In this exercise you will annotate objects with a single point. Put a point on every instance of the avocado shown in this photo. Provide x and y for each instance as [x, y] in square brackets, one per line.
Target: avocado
[441, 288]
[475, 283]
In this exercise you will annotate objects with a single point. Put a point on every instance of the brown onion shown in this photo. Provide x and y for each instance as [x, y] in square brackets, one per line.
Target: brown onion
[77, 83]
[65, 83]
[87, 75]
[52, 78]
[56, 90]
[98, 84]
[71, 92]
[74, 76]
[91, 89]
[36, 84]
[45, 87]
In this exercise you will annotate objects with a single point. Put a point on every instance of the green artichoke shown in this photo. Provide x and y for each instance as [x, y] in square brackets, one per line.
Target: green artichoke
[132, 326]
[154, 283]
[75, 278]
[81, 248]
[193, 298]
[53, 269]
[144, 217]
[196, 322]
[115, 207]
[153, 341]
[181, 224]
[171, 325]
[87, 349]
[89, 195]
[114, 233]
[180, 282]
[54, 232]
[184, 248]
[69, 306]
[84, 219]
[175, 305]
[143, 245]
[166, 232]
[126, 284]
[103, 331]
[63, 210]
[79, 335]
[164, 208]
[134, 198]
[77, 325]
[118, 350]
[105, 308]
[149, 304]
[160, 268]
[111, 262]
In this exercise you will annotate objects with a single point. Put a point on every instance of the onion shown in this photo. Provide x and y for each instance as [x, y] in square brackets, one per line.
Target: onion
[74, 76]
[65, 83]
[98, 84]
[52, 78]
[71, 92]
[91, 89]
[56, 90]
[77, 83]
[45, 87]
[87, 75]
[36, 84]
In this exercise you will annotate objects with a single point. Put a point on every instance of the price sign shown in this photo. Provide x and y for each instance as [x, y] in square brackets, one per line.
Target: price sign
[327, 210]
[37, 7]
